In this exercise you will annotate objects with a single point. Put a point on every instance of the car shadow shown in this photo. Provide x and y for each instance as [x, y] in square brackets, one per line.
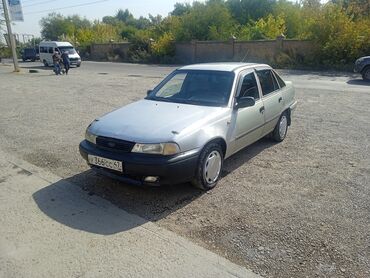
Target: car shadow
[104, 206]
[243, 156]
[358, 82]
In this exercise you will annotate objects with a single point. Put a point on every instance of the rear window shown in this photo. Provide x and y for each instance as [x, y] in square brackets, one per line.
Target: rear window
[267, 81]
[280, 81]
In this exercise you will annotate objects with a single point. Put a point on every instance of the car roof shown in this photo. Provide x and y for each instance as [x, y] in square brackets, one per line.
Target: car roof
[55, 43]
[230, 66]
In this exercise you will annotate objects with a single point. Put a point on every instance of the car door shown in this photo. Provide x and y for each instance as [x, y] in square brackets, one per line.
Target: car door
[271, 97]
[249, 120]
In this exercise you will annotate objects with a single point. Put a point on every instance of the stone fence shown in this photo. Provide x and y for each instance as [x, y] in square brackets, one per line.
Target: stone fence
[279, 51]
[262, 51]
[109, 51]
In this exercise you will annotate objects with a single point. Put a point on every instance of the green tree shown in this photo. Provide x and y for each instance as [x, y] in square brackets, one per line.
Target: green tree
[55, 26]
[341, 38]
[250, 10]
[292, 14]
[269, 27]
[181, 9]
[206, 21]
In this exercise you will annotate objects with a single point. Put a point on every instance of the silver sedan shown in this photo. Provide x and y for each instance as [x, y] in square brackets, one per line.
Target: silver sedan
[187, 125]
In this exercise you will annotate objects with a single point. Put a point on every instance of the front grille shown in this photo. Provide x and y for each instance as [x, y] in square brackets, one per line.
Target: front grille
[73, 59]
[114, 144]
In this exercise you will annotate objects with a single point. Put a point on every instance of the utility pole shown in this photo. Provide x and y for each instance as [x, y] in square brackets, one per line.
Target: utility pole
[11, 37]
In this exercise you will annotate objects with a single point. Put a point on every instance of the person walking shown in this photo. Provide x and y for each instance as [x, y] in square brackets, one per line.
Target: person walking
[66, 61]
[56, 61]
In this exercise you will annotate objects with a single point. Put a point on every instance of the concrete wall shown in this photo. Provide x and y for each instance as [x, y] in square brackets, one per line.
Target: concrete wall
[279, 51]
[109, 51]
[264, 51]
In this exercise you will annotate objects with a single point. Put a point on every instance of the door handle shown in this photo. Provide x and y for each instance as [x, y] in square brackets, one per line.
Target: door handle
[280, 99]
[262, 109]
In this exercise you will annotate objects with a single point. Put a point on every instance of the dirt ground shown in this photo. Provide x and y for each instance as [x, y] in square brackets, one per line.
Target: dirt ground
[300, 208]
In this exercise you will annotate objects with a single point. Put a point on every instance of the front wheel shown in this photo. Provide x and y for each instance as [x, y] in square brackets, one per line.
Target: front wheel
[281, 128]
[45, 63]
[366, 74]
[209, 167]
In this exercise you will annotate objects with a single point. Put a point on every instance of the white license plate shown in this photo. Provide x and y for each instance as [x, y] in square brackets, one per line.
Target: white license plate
[105, 163]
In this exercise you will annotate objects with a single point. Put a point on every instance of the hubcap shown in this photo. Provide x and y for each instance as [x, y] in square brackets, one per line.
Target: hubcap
[283, 126]
[212, 167]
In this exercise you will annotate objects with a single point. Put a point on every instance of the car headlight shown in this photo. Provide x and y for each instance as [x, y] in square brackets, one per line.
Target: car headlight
[162, 148]
[90, 137]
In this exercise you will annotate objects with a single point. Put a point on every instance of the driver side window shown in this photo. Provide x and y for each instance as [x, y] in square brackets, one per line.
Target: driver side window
[172, 87]
[249, 87]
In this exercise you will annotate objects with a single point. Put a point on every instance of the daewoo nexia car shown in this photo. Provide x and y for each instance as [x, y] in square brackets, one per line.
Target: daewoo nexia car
[186, 126]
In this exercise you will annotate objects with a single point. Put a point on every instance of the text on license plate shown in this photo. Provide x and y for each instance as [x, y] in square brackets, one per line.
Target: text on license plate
[105, 162]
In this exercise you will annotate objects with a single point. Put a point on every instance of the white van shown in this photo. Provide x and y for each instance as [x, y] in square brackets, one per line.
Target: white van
[47, 49]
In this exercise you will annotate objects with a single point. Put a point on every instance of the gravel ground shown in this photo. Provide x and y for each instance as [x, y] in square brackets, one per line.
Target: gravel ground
[295, 209]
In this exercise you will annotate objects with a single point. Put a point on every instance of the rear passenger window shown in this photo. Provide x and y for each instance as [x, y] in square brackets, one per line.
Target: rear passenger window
[249, 87]
[51, 50]
[280, 81]
[267, 81]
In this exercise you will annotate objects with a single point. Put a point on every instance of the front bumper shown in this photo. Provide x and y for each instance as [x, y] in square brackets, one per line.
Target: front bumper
[170, 169]
[75, 62]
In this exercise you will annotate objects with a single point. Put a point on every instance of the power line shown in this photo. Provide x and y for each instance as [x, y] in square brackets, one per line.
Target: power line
[67, 7]
[38, 3]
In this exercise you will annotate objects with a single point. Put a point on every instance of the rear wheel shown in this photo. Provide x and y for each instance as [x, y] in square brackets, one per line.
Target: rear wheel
[366, 74]
[281, 128]
[209, 167]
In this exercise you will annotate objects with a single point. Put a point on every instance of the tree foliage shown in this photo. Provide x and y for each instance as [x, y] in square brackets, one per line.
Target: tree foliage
[340, 28]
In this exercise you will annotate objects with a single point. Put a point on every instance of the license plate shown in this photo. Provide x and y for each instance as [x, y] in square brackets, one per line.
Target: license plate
[105, 163]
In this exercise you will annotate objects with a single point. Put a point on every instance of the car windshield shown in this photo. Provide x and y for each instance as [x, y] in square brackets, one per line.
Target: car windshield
[69, 49]
[197, 87]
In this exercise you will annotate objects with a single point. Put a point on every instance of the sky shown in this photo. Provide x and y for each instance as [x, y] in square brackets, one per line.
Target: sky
[34, 10]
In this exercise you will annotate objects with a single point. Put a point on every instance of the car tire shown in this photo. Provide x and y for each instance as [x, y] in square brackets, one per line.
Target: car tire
[281, 128]
[366, 73]
[209, 167]
[45, 63]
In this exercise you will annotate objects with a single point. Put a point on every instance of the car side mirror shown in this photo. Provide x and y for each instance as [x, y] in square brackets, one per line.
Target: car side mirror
[149, 92]
[245, 102]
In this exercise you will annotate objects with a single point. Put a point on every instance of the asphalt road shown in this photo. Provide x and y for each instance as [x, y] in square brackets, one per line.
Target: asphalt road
[295, 209]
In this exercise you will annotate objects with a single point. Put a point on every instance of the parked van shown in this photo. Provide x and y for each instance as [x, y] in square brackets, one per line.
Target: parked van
[47, 49]
[30, 54]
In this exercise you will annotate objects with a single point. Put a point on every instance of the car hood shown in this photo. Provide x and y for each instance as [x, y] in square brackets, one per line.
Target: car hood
[148, 121]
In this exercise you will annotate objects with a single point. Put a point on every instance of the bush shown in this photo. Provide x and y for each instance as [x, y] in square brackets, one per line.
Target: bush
[341, 38]
[164, 46]
[5, 52]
